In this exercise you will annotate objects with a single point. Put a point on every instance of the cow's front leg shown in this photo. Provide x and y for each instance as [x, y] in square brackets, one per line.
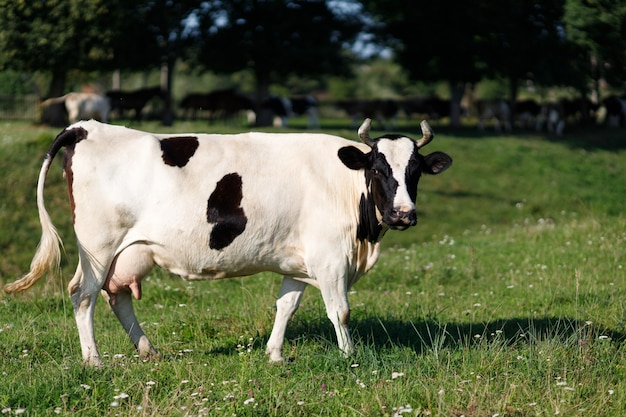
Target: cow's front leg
[286, 304]
[335, 295]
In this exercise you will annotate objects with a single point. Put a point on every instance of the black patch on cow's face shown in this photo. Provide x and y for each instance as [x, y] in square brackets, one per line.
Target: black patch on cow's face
[176, 151]
[223, 209]
[382, 186]
[368, 228]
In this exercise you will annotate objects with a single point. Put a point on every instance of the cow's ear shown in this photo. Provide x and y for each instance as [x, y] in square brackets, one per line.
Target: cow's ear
[353, 157]
[436, 163]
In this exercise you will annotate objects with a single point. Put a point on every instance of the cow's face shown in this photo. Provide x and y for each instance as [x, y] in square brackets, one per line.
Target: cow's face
[392, 169]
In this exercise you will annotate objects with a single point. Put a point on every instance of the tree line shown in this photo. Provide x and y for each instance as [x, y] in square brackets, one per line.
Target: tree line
[579, 44]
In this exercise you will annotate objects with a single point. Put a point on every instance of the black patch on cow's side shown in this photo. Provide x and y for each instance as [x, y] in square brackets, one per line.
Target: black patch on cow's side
[176, 151]
[368, 228]
[223, 209]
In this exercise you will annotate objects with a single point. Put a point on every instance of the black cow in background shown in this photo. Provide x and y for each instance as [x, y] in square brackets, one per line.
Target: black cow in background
[223, 104]
[122, 101]
[282, 108]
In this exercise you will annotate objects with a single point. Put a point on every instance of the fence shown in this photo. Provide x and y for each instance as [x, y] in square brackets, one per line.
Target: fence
[19, 108]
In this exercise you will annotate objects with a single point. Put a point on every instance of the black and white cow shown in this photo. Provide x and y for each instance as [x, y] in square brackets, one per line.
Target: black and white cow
[312, 207]
[497, 110]
[615, 108]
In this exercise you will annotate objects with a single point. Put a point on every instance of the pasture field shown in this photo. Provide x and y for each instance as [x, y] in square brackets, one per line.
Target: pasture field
[507, 299]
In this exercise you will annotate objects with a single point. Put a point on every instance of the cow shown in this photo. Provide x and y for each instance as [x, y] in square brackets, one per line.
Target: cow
[527, 112]
[282, 108]
[557, 114]
[431, 107]
[497, 110]
[385, 110]
[311, 207]
[221, 104]
[552, 116]
[79, 106]
[134, 100]
[306, 105]
[615, 108]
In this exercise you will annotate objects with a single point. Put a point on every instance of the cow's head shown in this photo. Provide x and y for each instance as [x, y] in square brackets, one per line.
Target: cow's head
[392, 170]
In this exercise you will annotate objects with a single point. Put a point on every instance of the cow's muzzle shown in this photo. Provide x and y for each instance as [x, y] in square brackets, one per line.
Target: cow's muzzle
[400, 219]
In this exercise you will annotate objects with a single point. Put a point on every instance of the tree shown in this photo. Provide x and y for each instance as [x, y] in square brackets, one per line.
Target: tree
[63, 35]
[275, 39]
[598, 32]
[525, 39]
[435, 40]
[58, 36]
[157, 35]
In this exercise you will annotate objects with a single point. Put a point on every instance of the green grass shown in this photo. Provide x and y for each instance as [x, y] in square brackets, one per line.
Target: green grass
[507, 299]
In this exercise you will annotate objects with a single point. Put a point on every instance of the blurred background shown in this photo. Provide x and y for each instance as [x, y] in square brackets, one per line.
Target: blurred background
[514, 64]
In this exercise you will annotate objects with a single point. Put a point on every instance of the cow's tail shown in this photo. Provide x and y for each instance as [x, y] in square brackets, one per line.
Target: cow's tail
[48, 254]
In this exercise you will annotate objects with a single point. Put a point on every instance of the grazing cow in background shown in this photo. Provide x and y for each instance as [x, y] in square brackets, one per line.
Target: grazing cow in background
[279, 107]
[385, 110]
[497, 110]
[135, 100]
[526, 113]
[433, 108]
[301, 105]
[53, 113]
[312, 207]
[615, 108]
[555, 115]
[282, 108]
[83, 106]
[552, 116]
[79, 106]
[223, 104]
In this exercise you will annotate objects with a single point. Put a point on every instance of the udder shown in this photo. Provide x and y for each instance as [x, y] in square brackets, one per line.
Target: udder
[127, 270]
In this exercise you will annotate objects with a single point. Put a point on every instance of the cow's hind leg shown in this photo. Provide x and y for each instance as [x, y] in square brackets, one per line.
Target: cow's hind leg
[287, 303]
[123, 309]
[83, 289]
[124, 278]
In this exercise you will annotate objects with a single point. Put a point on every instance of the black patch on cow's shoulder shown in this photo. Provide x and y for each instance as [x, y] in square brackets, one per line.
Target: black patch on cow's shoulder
[368, 228]
[224, 211]
[176, 151]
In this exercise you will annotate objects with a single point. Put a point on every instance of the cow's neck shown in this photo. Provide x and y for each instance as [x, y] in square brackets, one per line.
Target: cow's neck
[370, 227]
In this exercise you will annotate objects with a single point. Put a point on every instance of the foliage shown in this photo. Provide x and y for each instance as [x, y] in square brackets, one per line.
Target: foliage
[506, 299]
[274, 39]
[599, 30]
[59, 35]
[15, 83]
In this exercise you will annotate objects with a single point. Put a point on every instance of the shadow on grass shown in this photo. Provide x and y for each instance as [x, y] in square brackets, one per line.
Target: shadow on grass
[425, 335]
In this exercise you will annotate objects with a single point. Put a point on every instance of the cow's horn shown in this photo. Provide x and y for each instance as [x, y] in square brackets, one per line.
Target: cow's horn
[427, 134]
[364, 132]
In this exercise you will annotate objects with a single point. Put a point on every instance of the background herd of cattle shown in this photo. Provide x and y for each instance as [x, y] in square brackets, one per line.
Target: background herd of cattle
[230, 104]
